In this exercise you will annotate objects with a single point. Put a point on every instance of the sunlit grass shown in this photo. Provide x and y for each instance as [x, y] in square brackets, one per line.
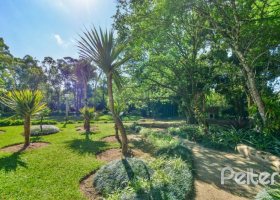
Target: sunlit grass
[54, 171]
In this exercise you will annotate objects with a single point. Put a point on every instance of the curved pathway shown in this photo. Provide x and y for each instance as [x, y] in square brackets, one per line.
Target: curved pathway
[208, 164]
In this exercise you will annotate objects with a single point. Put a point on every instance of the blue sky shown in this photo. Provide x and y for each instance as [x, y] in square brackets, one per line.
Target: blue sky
[50, 27]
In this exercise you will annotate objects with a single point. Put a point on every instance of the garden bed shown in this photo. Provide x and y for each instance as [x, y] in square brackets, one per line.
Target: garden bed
[20, 147]
[169, 162]
[92, 129]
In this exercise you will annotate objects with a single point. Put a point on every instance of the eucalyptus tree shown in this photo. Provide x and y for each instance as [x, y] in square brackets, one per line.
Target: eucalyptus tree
[100, 48]
[84, 72]
[25, 103]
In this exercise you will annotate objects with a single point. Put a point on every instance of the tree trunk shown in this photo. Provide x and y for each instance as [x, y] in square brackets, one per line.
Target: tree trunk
[41, 124]
[87, 124]
[251, 83]
[87, 117]
[117, 134]
[27, 131]
[116, 118]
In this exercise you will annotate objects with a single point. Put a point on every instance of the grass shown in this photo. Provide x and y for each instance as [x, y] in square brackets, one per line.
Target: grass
[54, 171]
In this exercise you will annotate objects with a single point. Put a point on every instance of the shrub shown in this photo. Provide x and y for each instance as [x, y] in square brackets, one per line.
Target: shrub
[134, 127]
[104, 118]
[190, 132]
[177, 151]
[117, 174]
[47, 122]
[171, 179]
[227, 138]
[160, 139]
[16, 122]
[46, 130]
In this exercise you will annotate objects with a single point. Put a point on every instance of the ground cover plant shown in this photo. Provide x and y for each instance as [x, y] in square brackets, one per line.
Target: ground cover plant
[43, 130]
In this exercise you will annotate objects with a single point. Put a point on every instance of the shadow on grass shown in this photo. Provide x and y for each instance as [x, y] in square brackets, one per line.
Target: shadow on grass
[11, 162]
[36, 139]
[87, 145]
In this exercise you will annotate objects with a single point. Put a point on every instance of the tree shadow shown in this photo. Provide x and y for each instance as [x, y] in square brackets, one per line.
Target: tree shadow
[11, 162]
[36, 139]
[87, 145]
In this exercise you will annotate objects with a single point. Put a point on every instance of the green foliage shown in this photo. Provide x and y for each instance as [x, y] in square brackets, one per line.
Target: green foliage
[269, 193]
[190, 132]
[275, 193]
[134, 128]
[159, 139]
[15, 122]
[105, 52]
[24, 102]
[227, 138]
[46, 130]
[171, 180]
[104, 118]
[177, 151]
[45, 112]
[88, 113]
[117, 174]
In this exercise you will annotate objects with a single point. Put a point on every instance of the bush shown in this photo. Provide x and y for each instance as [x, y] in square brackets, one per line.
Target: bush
[47, 122]
[134, 127]
[159, 139]
[16, 122]
[190, 132]
[117, 174]
[177, 151]
[46, 130]
[171, 180]
[104, 118]
[227, 138]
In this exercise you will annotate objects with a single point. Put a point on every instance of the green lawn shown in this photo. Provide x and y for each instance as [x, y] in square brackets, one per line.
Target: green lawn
[54, 171]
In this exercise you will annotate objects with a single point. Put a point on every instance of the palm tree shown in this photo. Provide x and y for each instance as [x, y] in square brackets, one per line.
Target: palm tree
[25, 103]
[101, 49]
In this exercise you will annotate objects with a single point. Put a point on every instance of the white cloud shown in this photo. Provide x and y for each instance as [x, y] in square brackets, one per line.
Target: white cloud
[65, 43]
[59, 40]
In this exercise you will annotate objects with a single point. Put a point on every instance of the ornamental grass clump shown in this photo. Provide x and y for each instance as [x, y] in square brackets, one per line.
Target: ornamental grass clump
[43, 130]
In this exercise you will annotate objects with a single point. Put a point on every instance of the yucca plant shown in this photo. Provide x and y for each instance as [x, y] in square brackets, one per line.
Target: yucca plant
[88, 114]
[25, 103]
[100, 48]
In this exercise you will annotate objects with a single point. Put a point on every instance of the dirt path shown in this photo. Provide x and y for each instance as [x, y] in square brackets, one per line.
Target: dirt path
[208, 164]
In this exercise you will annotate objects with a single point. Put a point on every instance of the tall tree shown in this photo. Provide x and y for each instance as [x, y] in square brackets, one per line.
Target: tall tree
[250, 28]
[100, 48]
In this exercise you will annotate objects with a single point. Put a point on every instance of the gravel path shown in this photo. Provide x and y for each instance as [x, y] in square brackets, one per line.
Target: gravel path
[208, 164]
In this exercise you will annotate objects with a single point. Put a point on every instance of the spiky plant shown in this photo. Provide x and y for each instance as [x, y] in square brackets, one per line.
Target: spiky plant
[88, 114]
[25, 103]
[100, 48]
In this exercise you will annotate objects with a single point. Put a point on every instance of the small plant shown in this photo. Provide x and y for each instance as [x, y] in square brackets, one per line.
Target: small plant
[43, 114]
[269, 194]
